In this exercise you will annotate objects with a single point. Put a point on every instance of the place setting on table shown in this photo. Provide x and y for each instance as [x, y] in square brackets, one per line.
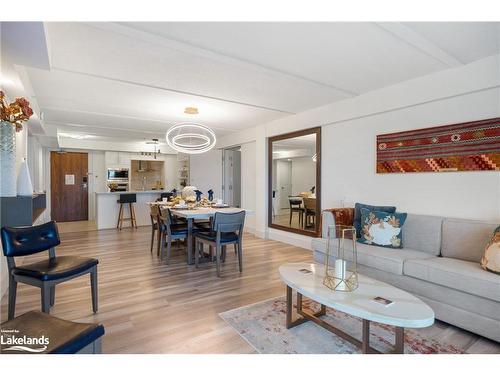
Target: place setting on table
[189, 205]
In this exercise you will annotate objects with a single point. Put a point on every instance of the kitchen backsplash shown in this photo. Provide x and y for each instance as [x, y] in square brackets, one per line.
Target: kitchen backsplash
[144, 175]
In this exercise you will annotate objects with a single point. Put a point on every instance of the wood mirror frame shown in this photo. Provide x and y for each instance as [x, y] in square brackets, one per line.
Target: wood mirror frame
[271, 140]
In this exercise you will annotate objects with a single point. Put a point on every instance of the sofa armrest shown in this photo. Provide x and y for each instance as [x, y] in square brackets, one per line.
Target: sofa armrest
[336, 216]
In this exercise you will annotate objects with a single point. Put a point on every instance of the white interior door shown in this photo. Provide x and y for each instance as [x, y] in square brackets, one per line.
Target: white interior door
[228, 177]
[232, 177]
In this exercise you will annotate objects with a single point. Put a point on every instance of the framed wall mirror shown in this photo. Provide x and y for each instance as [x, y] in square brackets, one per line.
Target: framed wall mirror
[294, 194]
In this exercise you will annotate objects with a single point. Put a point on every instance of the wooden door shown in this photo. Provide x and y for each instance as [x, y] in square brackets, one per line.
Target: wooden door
[69, 186]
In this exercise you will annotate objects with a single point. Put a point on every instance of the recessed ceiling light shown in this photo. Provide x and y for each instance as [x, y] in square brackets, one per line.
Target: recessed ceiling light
[191, 110]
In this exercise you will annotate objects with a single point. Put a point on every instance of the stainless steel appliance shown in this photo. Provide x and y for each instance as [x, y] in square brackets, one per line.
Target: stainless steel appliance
[119, 177]
[120, 186]
[117, 174]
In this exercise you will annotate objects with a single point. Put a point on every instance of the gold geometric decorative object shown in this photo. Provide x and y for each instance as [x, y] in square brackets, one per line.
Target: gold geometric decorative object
[341, 272]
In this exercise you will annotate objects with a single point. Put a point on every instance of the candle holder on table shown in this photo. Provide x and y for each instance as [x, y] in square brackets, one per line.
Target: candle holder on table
[341, 273]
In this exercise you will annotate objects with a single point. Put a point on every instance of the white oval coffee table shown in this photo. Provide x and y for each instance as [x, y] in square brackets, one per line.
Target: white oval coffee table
[406, 311]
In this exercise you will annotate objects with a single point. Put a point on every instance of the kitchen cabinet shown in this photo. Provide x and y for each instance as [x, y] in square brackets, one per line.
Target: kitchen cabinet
[111, 159]
[124, 158]
[115, 159]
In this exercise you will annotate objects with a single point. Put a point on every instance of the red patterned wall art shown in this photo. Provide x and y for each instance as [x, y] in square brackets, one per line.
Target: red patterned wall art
[470, 146]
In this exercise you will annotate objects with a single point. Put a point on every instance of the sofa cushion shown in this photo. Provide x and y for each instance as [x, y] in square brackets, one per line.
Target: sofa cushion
[381, 258]
[465, 239]
[423, 233]
[387, 259]
[357, 214]
[382, 228]
[457, 274]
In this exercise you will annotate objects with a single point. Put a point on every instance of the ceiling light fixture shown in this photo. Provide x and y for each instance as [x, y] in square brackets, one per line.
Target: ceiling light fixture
[191, 138]
[191, 111]
[155, 142]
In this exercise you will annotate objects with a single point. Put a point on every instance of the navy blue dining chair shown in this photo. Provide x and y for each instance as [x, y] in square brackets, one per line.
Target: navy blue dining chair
[227, 229]
[170, 231]
[45, 274]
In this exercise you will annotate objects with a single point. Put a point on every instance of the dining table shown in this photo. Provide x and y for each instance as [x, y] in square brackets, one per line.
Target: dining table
[190, 214]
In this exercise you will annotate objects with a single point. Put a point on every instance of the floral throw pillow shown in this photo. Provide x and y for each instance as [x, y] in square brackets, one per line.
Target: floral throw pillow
[382, 228]
[491, 258]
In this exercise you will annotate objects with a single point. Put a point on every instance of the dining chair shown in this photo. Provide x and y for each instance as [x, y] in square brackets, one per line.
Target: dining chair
[296, 206]
[170, 232]
[45, 274]
[227, 229]
[309, 211]
[154, 214]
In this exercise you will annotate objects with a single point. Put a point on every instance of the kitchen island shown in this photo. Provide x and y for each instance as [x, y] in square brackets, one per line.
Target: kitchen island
[107, 207]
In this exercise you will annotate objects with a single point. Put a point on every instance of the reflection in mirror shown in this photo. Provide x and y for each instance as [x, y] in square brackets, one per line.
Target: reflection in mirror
[294, 170]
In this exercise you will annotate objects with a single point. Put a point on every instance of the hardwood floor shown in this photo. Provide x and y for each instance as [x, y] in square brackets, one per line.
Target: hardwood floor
[76, 226]
[149, 307]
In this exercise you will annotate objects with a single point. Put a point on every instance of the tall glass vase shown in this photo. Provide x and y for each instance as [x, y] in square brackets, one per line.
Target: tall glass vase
[7, 159]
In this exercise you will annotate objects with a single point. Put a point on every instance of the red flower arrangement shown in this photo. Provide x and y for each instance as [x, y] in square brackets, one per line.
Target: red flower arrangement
[16, 112]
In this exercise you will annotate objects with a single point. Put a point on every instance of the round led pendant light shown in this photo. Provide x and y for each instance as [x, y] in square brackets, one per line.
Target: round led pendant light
[191, 138]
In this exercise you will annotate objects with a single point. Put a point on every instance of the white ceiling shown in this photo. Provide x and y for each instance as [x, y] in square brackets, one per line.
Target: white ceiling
[133, 80]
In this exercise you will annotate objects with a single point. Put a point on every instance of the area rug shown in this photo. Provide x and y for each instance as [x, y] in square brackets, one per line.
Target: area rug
[262, 325]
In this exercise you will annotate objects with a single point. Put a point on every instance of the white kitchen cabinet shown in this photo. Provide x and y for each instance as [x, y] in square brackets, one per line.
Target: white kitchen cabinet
[124, 159]
[111, 159]
[116, 159]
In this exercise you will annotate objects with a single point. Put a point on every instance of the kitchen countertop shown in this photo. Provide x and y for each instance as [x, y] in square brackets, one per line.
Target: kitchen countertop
[133, 192]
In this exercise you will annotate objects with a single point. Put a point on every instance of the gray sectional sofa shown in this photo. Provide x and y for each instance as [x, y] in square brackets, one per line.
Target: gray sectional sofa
[440, 264]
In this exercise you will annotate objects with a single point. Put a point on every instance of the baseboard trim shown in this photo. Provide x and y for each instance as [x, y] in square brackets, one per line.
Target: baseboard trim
[298, 240]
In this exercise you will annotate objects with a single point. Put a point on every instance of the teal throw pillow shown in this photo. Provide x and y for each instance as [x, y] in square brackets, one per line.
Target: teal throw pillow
[382, 228]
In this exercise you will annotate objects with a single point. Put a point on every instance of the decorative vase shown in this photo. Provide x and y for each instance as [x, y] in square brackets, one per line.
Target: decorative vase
[198, 195]
[24, 185]
[8, 159]
[188, 191]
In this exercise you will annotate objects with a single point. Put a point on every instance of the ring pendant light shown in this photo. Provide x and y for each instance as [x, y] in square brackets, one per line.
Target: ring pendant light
[191, 138]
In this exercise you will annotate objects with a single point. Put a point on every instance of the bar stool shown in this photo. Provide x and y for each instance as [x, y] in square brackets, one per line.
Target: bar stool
[124, 199]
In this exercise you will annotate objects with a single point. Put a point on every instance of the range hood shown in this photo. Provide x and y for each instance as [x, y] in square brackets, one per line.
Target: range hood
[141, 167]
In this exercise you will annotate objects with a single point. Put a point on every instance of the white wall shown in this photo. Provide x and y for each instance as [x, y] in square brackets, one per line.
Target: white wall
[206, 172]
[171, 172]
[466, 93]
[248, 173]
[35, 164]
[96, 179]
[348, 169]
[21, 147]
[303, 174]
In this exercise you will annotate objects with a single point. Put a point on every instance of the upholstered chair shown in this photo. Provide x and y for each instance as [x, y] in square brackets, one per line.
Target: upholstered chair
[227, 230]
[45, 274]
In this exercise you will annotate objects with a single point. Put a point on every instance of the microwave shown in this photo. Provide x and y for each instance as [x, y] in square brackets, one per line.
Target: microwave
[117, 174]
